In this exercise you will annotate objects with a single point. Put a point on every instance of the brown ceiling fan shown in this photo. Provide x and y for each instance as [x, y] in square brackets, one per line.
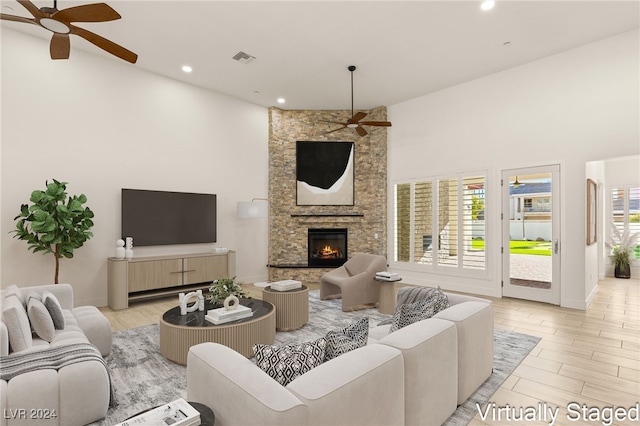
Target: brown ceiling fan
[59, 22]
[355, 121]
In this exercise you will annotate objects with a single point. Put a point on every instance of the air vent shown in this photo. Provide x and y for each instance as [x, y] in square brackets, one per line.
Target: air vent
[245, 58]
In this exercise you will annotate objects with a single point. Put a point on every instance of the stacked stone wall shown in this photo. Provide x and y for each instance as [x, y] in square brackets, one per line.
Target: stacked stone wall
[366, 220]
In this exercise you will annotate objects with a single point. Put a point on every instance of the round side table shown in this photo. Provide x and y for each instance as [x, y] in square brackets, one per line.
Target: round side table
[292, 307]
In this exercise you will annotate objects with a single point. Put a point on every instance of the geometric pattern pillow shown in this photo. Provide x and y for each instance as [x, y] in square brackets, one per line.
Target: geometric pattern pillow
[349, 338]
[422, 309]
[40, 319]
[54, 308]
[285, 363]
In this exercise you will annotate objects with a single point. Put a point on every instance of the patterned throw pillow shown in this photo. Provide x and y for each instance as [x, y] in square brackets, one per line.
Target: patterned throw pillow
[285, 363]
[54, 308]
[413, 312]
[349, 338]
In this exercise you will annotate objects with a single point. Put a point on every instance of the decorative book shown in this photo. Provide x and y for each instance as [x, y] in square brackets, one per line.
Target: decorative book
[285, 285]
[222, 315]
[175, 413]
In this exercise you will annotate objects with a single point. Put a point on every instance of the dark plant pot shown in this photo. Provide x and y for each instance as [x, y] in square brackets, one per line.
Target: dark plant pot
[623, 271]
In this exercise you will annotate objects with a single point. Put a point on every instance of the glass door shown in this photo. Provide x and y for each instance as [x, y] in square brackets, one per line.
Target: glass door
[531, 233]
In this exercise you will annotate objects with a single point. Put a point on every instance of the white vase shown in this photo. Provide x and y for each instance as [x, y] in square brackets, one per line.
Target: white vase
[231, 302]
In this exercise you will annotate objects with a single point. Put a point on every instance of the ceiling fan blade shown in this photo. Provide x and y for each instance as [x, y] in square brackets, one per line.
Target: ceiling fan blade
[17, 19]
[98, 12]
[335, 130]
[361, 131]
[32, 8]
[60, 46]
[358, 116]
[104, 44]
[376, 123]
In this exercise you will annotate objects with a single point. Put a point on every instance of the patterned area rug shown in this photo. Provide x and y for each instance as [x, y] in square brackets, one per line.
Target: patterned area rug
[143, 378]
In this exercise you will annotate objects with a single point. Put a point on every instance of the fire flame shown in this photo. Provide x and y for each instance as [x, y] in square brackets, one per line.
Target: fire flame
[328, 251]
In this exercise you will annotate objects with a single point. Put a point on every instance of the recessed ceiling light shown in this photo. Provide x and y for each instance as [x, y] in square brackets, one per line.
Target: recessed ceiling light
[281, 100]
[506, 44]
[487, 5]
[187, 68]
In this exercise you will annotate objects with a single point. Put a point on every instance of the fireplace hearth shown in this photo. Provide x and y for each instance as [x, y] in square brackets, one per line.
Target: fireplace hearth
[327, 247]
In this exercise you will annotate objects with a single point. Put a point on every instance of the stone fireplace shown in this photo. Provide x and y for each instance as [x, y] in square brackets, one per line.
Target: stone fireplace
[327, 247]
[289, 223]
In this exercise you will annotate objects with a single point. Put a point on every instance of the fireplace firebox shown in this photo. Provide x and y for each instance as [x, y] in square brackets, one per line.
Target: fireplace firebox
[327, 247]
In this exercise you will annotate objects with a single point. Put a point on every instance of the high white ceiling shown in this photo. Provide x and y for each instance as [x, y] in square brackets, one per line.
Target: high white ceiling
[402, 49]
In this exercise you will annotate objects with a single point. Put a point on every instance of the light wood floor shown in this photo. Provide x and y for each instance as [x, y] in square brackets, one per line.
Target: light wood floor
[586, 357]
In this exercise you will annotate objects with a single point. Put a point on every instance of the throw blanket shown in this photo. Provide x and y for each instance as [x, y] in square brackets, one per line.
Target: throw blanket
[52, 359]
[409, 295]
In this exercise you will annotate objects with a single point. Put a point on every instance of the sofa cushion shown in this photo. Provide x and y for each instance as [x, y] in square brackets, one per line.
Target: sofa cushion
[54, 308]
[40, 319]
[347, 339]
[15, 318]
[285, 363]
[406, 314]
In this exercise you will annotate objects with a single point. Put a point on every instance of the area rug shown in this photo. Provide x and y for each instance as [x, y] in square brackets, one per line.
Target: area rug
[143, 378]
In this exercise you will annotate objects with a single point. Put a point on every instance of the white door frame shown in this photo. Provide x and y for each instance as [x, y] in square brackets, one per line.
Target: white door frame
[551, 295]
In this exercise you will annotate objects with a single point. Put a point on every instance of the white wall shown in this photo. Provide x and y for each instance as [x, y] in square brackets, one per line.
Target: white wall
[574, 107]
[102, 125]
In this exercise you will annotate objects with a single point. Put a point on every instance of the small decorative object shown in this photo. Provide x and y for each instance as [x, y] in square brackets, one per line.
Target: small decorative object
[231, 303]
[120, 251]
[622, 245]
[128, 252]
[224, 287]
[197, 305]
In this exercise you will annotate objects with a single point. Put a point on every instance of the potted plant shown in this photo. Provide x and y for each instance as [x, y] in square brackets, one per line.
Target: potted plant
[622, 245]
[224, 287]
[54, 223]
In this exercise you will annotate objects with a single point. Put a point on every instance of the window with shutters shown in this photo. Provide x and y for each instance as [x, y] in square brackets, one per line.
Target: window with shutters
[439, 222]
[625, 211]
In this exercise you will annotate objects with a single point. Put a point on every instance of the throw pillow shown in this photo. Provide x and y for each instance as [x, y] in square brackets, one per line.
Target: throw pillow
[15, 290]
[413, 312]
[349, 338]
[54, 308]
[17, 322]
[285, 363]
[40, 319]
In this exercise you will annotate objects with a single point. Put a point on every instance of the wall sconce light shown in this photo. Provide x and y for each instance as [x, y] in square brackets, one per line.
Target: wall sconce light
[254, 209]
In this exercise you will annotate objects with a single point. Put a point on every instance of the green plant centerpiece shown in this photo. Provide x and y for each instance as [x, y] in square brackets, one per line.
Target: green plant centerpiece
[224, 287]
[622, 246]
[54, 223]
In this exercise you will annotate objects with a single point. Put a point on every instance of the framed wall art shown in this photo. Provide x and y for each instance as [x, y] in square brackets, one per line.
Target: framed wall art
[592, 212]
[324, 173]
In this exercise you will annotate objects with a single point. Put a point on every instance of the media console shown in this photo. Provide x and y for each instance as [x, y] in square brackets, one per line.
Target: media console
[155, 276]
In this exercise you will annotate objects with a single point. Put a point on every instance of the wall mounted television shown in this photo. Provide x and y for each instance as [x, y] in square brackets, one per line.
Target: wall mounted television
[155, 218]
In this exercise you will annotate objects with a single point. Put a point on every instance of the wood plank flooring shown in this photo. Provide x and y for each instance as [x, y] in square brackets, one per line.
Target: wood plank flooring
[587, 357]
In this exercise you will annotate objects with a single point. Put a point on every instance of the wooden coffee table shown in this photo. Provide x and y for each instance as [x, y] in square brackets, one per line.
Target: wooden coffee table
[179, 332]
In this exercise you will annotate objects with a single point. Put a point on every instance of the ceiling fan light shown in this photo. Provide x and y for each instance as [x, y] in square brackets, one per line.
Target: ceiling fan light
[55, 26]
[352, 125]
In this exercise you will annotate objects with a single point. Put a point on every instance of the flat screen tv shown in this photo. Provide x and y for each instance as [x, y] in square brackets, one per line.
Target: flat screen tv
[155, 218]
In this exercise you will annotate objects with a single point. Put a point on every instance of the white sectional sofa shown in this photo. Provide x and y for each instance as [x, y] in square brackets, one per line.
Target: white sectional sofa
[78, 393]
[414, 376]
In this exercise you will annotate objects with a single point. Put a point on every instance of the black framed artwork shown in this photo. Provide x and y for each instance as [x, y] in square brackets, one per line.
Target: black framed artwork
[324, 173]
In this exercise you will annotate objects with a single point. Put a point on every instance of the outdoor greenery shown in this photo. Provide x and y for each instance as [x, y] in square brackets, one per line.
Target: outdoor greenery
[54, 223]
[541, 248]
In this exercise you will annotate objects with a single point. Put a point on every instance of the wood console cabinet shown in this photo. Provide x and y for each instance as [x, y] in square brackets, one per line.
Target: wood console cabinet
[147, 277]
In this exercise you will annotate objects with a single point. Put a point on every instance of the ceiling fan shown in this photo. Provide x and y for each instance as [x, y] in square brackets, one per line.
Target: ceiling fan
[355, 121]
[59, 22]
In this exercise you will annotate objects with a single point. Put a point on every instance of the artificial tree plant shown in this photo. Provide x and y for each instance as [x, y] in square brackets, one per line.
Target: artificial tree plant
[55, 222]
[622, 245]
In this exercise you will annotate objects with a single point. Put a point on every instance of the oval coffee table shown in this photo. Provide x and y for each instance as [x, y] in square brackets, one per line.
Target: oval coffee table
[179, 332]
